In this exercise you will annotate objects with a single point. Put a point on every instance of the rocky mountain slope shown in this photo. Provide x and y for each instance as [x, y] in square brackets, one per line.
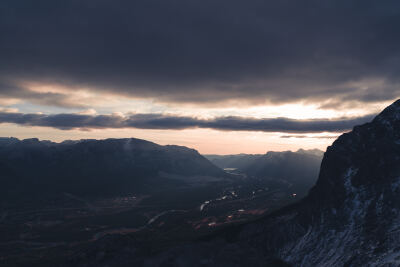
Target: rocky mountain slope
[350, 218]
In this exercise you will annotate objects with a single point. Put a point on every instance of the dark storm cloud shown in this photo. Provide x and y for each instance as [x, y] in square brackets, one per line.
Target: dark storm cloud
[160, 121]
[330, 52]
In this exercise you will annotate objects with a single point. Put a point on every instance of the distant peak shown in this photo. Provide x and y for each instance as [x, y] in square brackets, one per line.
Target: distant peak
[28, 140]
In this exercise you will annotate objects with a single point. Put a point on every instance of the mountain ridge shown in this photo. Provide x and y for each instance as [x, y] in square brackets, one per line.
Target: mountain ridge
[94, 166]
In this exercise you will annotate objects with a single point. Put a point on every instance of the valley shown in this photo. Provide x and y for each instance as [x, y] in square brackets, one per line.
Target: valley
[77, 195]
[64, 223]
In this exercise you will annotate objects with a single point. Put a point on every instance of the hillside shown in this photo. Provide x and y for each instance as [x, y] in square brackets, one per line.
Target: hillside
[95, 167]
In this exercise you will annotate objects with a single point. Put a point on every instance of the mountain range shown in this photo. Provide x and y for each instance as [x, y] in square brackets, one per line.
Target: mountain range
[351, 217]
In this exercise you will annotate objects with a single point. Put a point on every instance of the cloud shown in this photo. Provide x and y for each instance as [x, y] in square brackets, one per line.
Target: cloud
[8, 110]
[170, 122]
[14, 91]
[89, 111]
[310, 136]
[205, 52]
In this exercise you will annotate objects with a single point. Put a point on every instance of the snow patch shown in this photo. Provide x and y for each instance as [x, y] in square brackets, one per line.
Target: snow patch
[396, 185]
[347, 180]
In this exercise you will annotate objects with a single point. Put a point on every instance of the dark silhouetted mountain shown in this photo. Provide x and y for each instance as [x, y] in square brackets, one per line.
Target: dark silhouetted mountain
[351, 217]
[95, 166]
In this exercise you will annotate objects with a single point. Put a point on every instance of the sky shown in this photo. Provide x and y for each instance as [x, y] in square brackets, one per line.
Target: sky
[222, 76]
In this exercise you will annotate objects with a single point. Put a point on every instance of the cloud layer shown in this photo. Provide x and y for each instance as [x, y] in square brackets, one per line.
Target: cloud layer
[165, 122]
[204, 52]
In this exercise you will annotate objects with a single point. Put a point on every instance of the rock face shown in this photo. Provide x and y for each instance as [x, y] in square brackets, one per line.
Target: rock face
[351, 217]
